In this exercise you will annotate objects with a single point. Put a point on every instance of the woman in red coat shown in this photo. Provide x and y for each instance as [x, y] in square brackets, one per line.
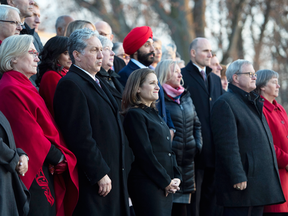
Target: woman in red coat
[268, 87]
[52, 177]
[55, 63]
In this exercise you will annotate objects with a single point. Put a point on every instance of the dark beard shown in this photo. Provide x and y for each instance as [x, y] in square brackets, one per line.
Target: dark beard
[144, 58]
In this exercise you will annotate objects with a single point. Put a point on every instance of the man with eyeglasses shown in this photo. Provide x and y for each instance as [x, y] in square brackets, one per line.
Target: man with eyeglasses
[10, 23]
[105, 30]
[246, 171]
[26, 10]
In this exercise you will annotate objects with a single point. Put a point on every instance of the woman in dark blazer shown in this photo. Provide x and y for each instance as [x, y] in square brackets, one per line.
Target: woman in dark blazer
[187, 141]
[154, 173]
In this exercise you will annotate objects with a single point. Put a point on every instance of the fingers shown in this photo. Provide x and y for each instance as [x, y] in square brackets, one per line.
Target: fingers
[240, 186]
[104, 189]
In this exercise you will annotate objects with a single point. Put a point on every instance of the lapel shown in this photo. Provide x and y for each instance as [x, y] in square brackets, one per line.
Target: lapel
[101, 91]
[195, 74]
[5, 124]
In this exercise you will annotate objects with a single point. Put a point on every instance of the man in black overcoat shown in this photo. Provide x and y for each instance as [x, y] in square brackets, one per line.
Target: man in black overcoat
[88, 117]
[205, 87]
[246, 166]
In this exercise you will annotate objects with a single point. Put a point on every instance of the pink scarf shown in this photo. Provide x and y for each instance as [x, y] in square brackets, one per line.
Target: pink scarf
[173, 93]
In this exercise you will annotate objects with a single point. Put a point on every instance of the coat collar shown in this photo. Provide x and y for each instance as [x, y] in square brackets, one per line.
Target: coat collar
[271, 106]
[195, 74]
[103, 91]
[132, 65]
[110, 73]
[252, 96]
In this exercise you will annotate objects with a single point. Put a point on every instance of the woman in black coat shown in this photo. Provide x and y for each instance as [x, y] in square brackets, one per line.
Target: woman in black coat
[14, 198]
[187, 141]
[154, 173]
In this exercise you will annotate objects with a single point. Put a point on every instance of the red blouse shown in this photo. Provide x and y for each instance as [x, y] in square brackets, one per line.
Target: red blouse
[278, 122]
[48, 86]
[34, 130]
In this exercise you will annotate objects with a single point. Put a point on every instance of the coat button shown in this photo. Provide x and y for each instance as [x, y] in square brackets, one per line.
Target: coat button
[287, 136]
[210, 99]
[282, 122]
[168, 138]
[161, 122]
[169, 154]
[123, 169]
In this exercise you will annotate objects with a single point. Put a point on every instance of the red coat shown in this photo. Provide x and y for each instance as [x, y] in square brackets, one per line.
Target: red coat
[48, 86]
[278, 122]
[34, 130]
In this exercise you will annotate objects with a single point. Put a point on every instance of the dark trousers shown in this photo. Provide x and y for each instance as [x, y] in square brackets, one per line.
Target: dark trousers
[203, 201]
[243, 211]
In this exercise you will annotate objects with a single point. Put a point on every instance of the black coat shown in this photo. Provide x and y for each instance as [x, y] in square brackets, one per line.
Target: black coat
[14, 198]
[203, 100]
[244, 151]
[89, 120]
[187, 140]
[116, 89]
[154, 165]
[118, 64]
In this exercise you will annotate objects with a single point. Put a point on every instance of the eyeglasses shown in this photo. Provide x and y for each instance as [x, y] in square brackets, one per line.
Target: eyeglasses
[250, 74]
[34, 53]
[17, 23]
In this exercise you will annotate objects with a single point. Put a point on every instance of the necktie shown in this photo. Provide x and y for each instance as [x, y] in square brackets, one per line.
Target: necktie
[98, 82]
[203, 74]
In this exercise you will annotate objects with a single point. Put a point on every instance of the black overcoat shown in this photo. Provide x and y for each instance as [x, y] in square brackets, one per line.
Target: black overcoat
[154, 165]
[89, 120]
[203, 99]
[244, 151]
[14, 196]
[187, 141]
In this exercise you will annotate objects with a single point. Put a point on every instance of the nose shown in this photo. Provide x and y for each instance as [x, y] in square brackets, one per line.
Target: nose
[157, 87]
[37, 19]
[210, 54]
[37, 59]
[31, 2]
[180, 75]
[100, 55]
[112, 53]
[278, 86]
[219, 67]
[19, 27]
[152, 49]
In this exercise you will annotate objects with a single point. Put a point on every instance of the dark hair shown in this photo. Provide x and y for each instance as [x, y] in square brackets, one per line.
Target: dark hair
[130, 96]
[54, 47]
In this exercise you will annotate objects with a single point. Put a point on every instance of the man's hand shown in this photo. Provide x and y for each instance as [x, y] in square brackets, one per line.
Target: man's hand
[241, 186]
[22, 166]
[172, 134]
[105, 186]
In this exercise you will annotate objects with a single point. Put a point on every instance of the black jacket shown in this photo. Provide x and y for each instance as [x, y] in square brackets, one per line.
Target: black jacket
[203, 99]
[14, 198]
[118, 64]
[187, 140]
[244, 151]
[88, 117]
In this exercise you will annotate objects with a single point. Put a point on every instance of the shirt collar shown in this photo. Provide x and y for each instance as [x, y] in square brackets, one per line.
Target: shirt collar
[93, 77]
[200, 69]
[139, 64]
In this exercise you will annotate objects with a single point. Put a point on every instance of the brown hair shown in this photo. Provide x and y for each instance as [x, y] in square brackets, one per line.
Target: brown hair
[130, 96]
[223, 71]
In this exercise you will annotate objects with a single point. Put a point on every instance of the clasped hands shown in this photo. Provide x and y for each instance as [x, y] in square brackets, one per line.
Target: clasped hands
[173, 186]
[240, 186]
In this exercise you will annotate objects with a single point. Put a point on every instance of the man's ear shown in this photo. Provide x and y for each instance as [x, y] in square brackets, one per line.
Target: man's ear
[111, 37]
[235, 78]
[11, 3]
[193, 53]
[76, 54]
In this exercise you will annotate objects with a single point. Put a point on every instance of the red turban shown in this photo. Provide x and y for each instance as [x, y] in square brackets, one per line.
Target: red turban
[136, 38]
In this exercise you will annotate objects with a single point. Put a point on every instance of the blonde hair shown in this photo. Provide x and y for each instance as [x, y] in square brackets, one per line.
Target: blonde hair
[78, 24]
[163, 69]
[13, 46]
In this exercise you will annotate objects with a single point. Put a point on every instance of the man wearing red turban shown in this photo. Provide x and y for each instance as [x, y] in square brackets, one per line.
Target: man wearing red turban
[139, 45]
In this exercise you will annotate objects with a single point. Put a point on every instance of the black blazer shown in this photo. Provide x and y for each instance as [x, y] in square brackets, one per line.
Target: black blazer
[149, 137]
[88, 117]
[126, 71]
[244, 151]
[15, 198]
[203, 100]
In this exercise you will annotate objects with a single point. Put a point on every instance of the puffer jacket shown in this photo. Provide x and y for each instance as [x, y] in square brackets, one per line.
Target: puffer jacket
[187, 141]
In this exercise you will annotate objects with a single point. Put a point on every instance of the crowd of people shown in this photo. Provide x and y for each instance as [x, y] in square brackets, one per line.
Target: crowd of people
[92, 127]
